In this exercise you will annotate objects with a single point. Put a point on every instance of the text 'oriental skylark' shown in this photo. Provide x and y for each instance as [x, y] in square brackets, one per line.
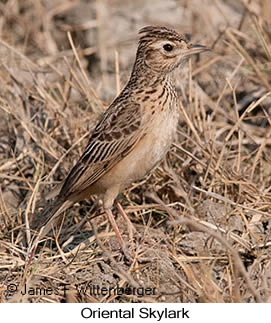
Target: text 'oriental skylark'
[136, 131]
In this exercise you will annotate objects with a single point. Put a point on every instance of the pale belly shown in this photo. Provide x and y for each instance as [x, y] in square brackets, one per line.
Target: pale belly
[145, 156]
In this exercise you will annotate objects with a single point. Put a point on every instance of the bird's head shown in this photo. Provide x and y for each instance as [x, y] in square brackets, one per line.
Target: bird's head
[163, 49]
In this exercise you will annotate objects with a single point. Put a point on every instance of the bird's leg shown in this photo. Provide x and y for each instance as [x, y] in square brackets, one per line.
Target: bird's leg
[116, 229]
[114, 225]
[125, 216]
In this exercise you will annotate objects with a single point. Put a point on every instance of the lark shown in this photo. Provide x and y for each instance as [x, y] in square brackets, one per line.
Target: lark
[137, 130]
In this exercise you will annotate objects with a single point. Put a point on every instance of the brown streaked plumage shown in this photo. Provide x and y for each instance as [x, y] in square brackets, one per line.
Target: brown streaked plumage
[137, 129]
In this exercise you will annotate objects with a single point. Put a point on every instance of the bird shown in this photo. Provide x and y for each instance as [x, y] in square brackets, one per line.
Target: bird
[136, 131]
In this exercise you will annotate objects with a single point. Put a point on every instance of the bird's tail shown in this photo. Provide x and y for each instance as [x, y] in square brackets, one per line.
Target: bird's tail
[43, 216]
[45, 220]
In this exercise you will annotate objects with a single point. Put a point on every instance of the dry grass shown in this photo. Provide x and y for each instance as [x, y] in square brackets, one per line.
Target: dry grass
[203, 217]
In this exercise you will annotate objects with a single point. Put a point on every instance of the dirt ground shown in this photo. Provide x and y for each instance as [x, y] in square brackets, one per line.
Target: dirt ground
[203, 217]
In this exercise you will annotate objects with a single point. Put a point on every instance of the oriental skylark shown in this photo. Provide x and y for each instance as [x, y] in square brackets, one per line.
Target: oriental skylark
[135, 132]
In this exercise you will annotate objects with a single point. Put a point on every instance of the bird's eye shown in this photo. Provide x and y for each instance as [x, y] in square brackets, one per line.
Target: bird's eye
[168, 47]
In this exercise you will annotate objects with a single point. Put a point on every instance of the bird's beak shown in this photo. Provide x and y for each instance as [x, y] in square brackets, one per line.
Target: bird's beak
[195, 49]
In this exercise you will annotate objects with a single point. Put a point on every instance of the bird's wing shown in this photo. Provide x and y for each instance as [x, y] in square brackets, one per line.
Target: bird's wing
[114, 137]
